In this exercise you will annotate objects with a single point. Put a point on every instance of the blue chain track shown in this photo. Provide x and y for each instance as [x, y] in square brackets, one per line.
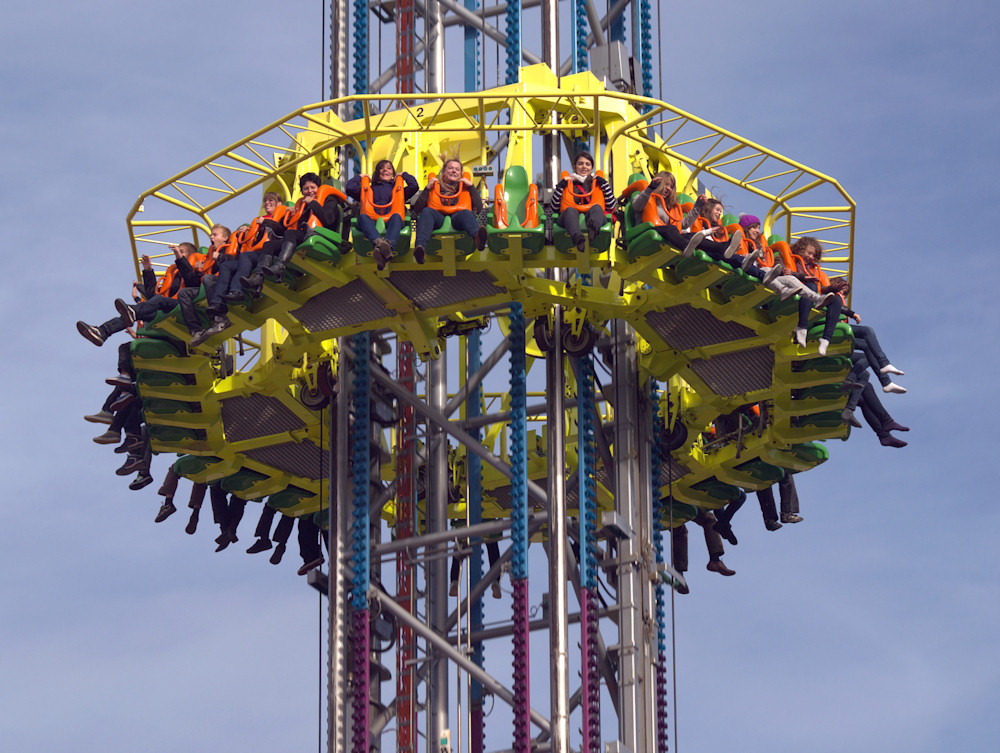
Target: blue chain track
[646, 40]
[580, 62]
[360, 526]
[587, 451]
[587, 491]
[474, 466]
[513, 40]
[518, 445]
[656, 458]
[360, 470]
[360, 30]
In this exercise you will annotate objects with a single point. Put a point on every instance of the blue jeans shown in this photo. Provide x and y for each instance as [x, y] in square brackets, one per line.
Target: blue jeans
[245, 264]
[714, 249]
[144, 312]
[227, 280]
[866, 341]
[430, 220]
[832, 312]
[393, 226]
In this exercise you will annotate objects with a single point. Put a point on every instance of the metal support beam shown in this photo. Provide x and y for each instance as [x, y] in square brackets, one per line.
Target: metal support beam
[437, 569]
[437, 418]
[339, 545]
[634, 677]
[477, 378]
[441, 646]
[558, 538]
[434, 82]
[616, 10]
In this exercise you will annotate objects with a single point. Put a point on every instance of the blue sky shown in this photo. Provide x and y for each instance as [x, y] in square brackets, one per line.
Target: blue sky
[871, 626]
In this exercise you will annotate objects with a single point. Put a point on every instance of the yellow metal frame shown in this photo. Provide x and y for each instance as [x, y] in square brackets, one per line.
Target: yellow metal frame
[637, 134]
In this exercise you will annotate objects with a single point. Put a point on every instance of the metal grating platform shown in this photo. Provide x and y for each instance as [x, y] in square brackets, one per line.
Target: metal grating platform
[671, 471]
[431, 289]
[684, 327]
[302, 459]
[354, 303]
[735, 373]
[256, 416]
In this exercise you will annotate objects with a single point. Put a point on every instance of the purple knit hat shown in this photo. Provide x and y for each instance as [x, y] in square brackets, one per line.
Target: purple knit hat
[747, 220]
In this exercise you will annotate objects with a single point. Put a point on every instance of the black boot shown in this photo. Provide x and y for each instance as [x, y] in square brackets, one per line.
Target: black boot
[277, 269]
[254, 284]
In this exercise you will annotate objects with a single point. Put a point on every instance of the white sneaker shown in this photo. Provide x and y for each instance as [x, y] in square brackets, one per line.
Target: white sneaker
[695, 240]
[788, 292]
[893, 387]
[890, 369]
[800, 336]
[734, 243]
[749, 259]
[773, 273]
[823, 345]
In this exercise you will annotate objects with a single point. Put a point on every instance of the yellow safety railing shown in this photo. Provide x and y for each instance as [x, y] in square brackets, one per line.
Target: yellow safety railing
[638, 135]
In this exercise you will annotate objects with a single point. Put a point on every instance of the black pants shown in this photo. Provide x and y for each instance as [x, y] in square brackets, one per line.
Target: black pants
[833, 310]
[227, 510]
[679, 240]
[679, 541]
[185, 299]
[309, 548]
[874, 412]
[789, 498]
[144, 312]
[570, 219]
[283, 530]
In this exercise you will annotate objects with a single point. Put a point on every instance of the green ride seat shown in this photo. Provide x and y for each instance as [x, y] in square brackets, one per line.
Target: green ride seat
[148, 377]
[161, 406]
[682, 512]
[175, 434]
[447, 238]
[819, 392]
[716, 489]
[824, 420]
[517, 200]
[322, 244]
[363, 247]
[564, 243]
[288, 497]
[192, 465]
[824, 364]
[242, 480]
[761, 471]
[155, 347]
[150, 329]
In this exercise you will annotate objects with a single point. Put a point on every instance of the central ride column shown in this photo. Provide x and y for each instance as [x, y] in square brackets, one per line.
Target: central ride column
[555, 386]
[636, 682]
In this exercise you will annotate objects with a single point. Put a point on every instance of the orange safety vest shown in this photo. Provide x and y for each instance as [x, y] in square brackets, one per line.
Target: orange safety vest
[450, 203]
[766, 258]
[396, 206]
[651, 212]
[165, 283]
[701, 223]
[247, 243]
[581, 201]
[294, 217]
[200, 262]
